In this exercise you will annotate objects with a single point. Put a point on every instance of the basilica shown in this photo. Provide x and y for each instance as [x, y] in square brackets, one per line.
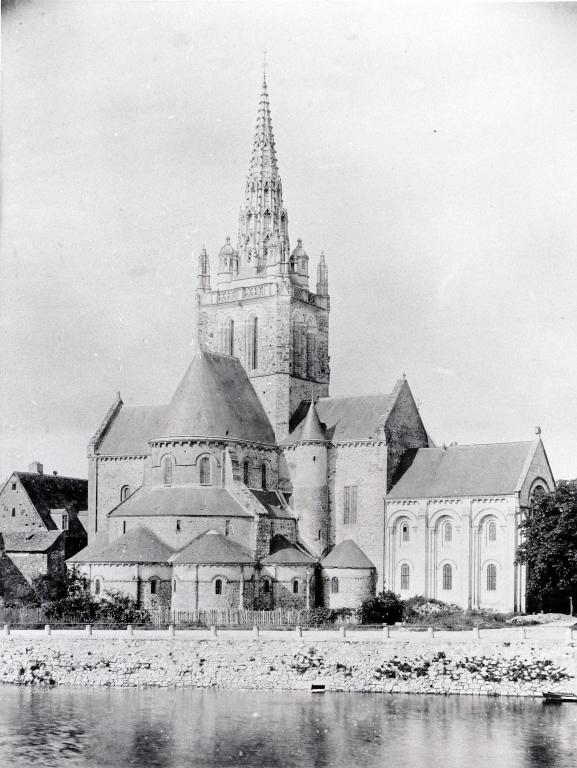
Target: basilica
[254, 488]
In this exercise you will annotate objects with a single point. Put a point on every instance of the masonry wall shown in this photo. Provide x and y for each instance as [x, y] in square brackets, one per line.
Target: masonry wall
[283, 578]
[363, 464]
[16, 510]
[196, 587]
[110, 475]
[355, 585]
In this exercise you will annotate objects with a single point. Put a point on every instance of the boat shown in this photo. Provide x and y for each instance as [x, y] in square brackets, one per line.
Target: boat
[558, 697]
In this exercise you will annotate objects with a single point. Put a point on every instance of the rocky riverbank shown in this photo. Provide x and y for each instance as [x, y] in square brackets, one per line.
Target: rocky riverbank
[477, 668]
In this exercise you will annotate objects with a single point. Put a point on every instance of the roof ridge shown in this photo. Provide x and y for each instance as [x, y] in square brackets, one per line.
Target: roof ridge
[50, 476]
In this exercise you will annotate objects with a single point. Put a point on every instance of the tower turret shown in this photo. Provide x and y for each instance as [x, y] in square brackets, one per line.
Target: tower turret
[203, 282]
[322, 276]
[227, 262]
[299, 265]
[309, 469]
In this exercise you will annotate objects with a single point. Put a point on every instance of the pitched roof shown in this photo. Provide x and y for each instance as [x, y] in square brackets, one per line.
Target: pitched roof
[216, 399]
[462, 470]
[212, 547]
[28, 541]
[137, 545]
[284, 552]
[347, 554]
[54, 491]
[272, 501]
[131, 429]
[345, 418]
[180, 501]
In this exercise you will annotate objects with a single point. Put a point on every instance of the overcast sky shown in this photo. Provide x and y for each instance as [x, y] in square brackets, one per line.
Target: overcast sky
[430, 150]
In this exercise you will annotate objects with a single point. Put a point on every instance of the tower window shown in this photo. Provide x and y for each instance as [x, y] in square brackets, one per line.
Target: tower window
[178, 526]
[334, 586]
[447, 577]
[218, 587]
[124, 492]
[405, 535]
[404, 576]
[263, 477]
[124, 526]
[228, 337]
[350, 504]
[13, 486]
[13, 511]
[448, 531]
[492, 531]
[253, 343]
[311, 352]
[295, 587]
[245, 471]
[174, 585]
[167, 463]
[266, 586]
[97, 586]
[205, 471]
[491, 578]
[228, 528]
[153, 587]
[299, 359]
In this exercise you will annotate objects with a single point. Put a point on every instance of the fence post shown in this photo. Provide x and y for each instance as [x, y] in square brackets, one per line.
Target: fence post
[569, 634]
[171, 630]
[522, 633]
[88, 629]
[431, 632]
[255, 631]
[129, 630]
[476, 635]
[213, 632]
[386, 632]
[47, 629]
[6, 630]
[298, 631]
[343, 632]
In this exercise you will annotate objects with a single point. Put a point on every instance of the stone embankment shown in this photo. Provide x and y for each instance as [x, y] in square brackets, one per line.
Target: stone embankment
[470, 667]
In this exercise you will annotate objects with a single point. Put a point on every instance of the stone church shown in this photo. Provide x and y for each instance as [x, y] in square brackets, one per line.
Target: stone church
[255, 488]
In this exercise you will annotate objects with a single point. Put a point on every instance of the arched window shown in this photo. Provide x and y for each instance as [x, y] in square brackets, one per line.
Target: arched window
[404, 576]
[252, 343]
[228, 337]
[228, 529]
[246, 471]
[218, 587]
[153, 586]
[311, 351]
[295, 587]
[167, 464]
[174, 585]
[266, 586]
[448, 532]
[298, 347]
[263, 476]
[447, 577]
[491, 578]
[334, 585]
[124, 526]
[124, 492]
[405, 532]
[492, 531]
[205, 471]
[97, 586]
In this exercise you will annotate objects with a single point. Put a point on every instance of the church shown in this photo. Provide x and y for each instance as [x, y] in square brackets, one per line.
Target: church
[254, 488]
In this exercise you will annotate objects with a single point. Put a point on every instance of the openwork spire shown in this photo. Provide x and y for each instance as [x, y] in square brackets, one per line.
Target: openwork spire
[263, 162]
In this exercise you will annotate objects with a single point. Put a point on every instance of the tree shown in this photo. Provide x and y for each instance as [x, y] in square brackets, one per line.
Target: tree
[386, 608]
[549, 547]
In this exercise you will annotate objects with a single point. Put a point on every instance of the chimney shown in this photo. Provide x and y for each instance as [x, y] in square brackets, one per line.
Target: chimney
[36, 468]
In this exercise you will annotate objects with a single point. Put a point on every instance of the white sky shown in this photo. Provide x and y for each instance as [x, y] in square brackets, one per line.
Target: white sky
[430, 150]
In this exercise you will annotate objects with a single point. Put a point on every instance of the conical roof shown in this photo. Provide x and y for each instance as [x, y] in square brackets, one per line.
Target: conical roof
[216, 399]
[284, 552]
[138, 545]
[212, 548]
[312, 429]
[347, 554]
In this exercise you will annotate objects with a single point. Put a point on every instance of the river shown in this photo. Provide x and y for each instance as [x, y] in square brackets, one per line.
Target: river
[189, 727]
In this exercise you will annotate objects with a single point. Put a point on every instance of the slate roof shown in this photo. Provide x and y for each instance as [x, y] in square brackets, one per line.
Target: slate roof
[345, 418]
[137, 545]
[273, 504]
[211, 548]
[131, 429]
[312, 429]
[180, 501]
[28, 541]
[216, 399]
[463, 470]
[347, 554]
[284, 552]
[54, 491]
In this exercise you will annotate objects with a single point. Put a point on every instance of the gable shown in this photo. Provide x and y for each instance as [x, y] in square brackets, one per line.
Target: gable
[536, 472]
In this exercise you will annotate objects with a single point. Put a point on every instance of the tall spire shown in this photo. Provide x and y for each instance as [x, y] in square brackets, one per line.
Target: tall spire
[263, 244]
[203, 282]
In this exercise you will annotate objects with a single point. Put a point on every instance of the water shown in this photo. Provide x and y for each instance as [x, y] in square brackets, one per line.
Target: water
[187, 727]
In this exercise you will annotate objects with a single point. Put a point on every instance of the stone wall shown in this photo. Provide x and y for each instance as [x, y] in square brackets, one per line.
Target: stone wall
[355, 585]
[17, 512]
[467, 668]
[110, 475]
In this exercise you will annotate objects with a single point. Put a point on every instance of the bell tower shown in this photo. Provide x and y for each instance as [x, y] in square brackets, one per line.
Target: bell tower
[262, 310]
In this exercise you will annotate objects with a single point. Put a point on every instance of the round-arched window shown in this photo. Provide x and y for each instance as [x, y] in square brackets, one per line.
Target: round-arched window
[448, 532]
[295, 587]
[492, 531]
[97, 586]
[491, 577]
[218, 587]
[405, 532]
[334, 585]
[205, 471]
[405, 576]
[447, 577]
[266, 586]
[263, 477]
[124, 492]
[246, 472]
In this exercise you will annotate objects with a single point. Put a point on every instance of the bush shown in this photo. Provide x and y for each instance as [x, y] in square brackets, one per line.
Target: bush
[386, 608]
[320, 617]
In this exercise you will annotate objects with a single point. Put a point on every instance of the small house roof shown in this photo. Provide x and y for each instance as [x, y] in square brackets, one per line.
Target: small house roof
[212, 548]
[346, 554]
[137, 545]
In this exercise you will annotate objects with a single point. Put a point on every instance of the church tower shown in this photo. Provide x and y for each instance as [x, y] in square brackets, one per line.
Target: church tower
[262, 310]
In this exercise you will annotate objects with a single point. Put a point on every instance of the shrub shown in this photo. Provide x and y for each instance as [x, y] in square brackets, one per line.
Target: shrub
[320, 617]
[386, 608]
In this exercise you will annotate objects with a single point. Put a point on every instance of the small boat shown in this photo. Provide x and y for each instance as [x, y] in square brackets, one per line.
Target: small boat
[317, 688]
[558, 697]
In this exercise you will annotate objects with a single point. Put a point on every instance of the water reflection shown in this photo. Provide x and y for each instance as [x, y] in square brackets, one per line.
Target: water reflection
[174, 728]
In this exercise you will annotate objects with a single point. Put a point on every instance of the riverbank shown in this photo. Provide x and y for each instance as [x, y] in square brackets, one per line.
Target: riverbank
[466, 666]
